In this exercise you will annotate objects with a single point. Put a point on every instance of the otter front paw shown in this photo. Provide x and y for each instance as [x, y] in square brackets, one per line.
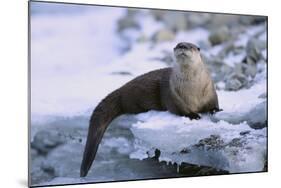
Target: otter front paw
[194, 116]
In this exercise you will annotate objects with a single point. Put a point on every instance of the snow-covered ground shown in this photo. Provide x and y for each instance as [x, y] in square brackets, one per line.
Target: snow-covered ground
[235, 147]
[69, 56]
[78, 57]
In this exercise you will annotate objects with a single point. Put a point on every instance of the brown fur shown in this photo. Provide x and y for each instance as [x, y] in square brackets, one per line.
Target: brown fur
[186, 89]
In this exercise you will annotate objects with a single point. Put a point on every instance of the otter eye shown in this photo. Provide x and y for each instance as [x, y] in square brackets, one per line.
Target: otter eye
[198, 48]
[182, 47]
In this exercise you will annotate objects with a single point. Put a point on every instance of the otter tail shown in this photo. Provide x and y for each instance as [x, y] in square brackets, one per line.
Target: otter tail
[105, 112]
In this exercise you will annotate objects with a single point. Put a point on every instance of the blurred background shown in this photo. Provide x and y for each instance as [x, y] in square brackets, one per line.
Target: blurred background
[79, 54]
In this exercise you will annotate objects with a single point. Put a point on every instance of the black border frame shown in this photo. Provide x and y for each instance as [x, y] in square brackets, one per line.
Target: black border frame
[146, 179]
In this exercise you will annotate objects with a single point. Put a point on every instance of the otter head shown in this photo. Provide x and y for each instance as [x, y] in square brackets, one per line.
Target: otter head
[187, 54]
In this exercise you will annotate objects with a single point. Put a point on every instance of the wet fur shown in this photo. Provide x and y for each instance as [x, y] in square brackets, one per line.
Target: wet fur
[186, 89]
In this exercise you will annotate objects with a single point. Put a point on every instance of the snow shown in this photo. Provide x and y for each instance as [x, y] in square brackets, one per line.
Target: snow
[232, 59]
[194, 36]
[251, 32]
[148, 24]
[171, 133]
[63, 81]
[76, 61]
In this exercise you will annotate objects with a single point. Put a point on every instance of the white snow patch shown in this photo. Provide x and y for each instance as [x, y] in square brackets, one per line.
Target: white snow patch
[68, 53]
[149, 25]
[171, 134]
[194, 36]
[121, 144]
[250, 32]
[232, 59]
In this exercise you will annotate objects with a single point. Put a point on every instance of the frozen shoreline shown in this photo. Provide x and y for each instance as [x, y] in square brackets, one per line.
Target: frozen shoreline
[74, 54]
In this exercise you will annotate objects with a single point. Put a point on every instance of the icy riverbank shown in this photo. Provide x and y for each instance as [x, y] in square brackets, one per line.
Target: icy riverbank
[76, 61]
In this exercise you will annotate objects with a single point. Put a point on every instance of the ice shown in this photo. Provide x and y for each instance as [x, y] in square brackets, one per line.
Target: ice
[243, 110]
[121, 144]
[171, 135]
[67, 84]
[64, 180]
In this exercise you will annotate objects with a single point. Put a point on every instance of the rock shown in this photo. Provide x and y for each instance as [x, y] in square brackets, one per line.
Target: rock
[185, 169]
[237, 50]
[33, 153]
[219, 20]
[47, 168]
[246, 20]
[243, 133]
[132, 12]
[206, 171]
[56, 163]
[196, 170]
[198, 20]
[265, 166]
[225, 69]
[263, 96]
[157, 154]
[142, 38]
[175, 21]
[249, 69]
[204, 44]
[163, 35]
[37, 174]
[252, 20]
[236, 142]
[220, 70]
[233, 85]
[158, 14]
[241, 77]
[123, 73]
[254, 50]
[212, 142]
[236, 80]
[185, 150]
[44, 141]
[127, 22]
[219, 36]
[242, 71]
[257, 117]
[227, 48]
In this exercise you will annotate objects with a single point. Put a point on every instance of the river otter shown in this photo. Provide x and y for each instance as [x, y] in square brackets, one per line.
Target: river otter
[186, 89]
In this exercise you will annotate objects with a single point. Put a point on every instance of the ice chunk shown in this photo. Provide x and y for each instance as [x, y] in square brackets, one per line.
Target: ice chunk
[226, 140]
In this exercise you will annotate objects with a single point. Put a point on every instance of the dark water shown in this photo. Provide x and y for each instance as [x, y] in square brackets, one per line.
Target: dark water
[112, 162]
